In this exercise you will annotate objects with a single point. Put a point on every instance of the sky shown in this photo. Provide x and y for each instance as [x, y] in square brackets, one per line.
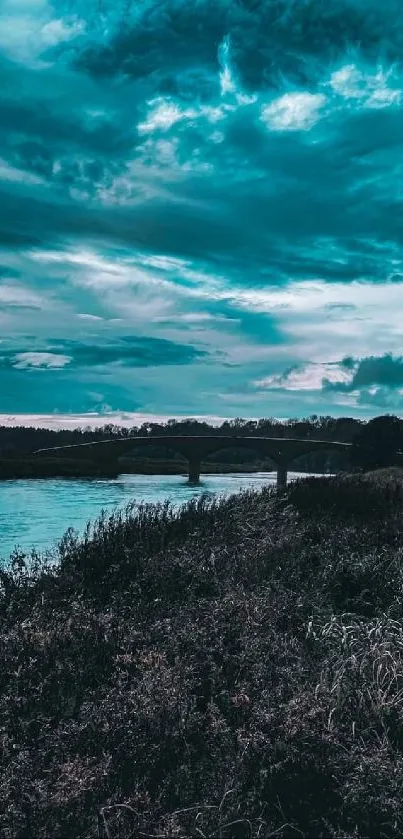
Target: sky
[200, 208]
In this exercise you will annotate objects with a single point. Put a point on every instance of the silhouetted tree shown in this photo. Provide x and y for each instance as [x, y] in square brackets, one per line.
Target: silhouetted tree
[378, 444]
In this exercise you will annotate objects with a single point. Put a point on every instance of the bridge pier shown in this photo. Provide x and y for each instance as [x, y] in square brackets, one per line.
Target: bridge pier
[281, 477]
[194, 470]
[107, 468]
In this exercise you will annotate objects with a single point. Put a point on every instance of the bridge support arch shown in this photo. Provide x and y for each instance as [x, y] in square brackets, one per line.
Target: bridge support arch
[282, 451]
[195, 468]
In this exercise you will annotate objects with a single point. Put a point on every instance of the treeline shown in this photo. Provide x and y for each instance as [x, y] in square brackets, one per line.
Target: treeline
[20, 442]
[380, 440]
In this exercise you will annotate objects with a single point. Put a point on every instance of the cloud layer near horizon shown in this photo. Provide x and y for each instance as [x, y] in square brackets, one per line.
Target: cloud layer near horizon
[201, 207]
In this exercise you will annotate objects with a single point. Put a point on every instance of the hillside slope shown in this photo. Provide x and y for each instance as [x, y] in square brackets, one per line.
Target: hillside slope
[235, 669]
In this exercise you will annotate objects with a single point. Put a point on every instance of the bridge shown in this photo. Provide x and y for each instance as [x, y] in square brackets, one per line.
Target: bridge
[281, 450]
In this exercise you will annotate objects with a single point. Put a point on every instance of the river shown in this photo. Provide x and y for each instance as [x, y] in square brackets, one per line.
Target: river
[35, 513]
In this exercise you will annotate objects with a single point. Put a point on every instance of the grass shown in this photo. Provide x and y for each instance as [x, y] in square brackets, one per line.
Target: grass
[234, 669]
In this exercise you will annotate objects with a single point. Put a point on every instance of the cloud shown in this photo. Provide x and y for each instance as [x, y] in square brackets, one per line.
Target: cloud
[293, 111]
[123, 419]
[128, 352]
[374, 381]
[372, 372]
[375, 90]
[214, 179]
[163, 115]
[14, 296]
[268, 39]
[35, 360]
[28, 29]
[309, 377]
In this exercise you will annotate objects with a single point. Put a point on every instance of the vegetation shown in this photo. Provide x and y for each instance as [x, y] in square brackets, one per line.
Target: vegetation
[41, 467]
[53, 468]
[234, 669]
[378, 443]
[18, 443]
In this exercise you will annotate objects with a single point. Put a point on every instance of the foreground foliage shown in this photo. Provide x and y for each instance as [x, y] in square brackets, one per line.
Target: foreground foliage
[231, 670]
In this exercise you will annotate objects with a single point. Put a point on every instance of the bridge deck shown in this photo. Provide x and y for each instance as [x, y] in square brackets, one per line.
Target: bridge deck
[280, 450]
[224, 440]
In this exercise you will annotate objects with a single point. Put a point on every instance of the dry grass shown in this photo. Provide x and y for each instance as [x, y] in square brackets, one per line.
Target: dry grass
[231, 670]
[387, 476]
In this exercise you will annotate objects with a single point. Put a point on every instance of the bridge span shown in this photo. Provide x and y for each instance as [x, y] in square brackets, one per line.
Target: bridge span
[281, 450]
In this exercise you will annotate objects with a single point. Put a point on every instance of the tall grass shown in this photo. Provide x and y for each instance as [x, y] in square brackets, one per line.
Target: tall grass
[231, 669]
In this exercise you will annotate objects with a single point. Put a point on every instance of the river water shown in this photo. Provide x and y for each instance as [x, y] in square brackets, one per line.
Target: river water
[35, 513]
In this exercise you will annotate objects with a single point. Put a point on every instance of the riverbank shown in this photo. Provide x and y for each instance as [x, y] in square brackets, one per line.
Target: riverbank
[36, 512]
[233, 669]
[13, 468]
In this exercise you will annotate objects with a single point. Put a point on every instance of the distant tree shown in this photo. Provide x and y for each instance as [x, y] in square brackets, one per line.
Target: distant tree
[265, 426]
[345, 428]
[378, 444]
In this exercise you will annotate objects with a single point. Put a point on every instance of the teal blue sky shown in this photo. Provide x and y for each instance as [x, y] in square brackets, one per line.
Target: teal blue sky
[201, 207]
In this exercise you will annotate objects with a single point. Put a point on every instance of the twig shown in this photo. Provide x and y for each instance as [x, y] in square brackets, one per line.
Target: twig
[194, 807]
[286, 824]
[105, 824]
